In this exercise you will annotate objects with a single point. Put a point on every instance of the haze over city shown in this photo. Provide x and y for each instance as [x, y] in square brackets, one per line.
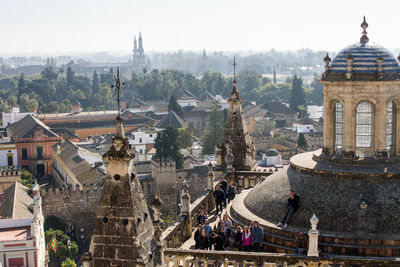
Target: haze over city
[45, 26]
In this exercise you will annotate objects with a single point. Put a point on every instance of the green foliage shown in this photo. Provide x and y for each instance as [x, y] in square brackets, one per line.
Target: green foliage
[70, 76]
[65, 247]
[316, 95]
[174, 106]
[168, 217]
[185, 137]
[12, 101]
[96, 83]
[32, 105]
[213, 134]
[27, 178]
[301, 142]
[68, 263]
[167, 145]
[297, 95]
[53, 222]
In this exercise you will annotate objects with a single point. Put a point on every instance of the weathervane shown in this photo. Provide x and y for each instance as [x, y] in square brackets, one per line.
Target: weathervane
[118, 88]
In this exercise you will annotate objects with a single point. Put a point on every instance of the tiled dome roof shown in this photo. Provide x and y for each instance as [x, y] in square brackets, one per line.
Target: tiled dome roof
[362, 62]
[364, 59]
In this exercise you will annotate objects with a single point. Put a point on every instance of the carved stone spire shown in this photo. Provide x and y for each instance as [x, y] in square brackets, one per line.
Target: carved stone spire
[123, 229]
[364, 38]
[236, 134]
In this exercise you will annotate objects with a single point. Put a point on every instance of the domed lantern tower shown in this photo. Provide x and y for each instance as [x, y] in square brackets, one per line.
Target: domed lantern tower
[353, 184]
[361, 100]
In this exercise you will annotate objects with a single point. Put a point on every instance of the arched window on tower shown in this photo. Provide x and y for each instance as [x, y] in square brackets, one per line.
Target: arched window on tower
[364, 130]
[338, 128]
[391, 129]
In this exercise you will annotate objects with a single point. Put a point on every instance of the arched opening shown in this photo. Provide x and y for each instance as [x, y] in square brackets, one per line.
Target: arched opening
[338, 134]
[364, 130]
[391, 129]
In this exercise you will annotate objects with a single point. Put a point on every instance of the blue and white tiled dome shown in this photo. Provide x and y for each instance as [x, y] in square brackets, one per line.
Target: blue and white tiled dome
[362, 62]
[364, 59]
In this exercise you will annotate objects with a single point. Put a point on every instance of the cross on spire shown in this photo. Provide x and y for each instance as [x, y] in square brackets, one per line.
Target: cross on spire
[234, 68]
[118, 89]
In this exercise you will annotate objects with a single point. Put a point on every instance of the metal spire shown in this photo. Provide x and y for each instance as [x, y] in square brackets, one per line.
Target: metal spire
[364, 38]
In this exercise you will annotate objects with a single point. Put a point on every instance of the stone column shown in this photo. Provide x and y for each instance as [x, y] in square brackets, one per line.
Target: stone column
[380, 118]
[313, 238]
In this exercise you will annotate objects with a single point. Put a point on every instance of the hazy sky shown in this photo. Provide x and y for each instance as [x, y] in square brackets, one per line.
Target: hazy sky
[47, 26]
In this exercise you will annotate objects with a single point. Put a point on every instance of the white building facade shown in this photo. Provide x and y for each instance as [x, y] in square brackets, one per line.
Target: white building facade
[13, 116]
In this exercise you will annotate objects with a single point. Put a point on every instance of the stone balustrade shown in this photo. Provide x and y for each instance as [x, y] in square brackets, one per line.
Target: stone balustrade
[175, 235]
[181, 257]
[248, 179]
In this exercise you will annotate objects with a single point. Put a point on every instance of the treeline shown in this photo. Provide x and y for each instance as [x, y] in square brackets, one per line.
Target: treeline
[304, 62]
[56, 91]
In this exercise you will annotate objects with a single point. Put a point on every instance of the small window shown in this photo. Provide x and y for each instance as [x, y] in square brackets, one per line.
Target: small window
[140, 140]
[39, 151]
[24, 153]
[38, 135]
[141, 151]
[133, 136]
[151, 135]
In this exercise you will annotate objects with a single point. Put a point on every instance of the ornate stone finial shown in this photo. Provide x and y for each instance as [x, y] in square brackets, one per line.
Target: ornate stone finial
[349, 66]
[314, 221]
[313, 238]
[327, 60]
[234, 69]
[364, 38]
[379, 61]
[209, 167]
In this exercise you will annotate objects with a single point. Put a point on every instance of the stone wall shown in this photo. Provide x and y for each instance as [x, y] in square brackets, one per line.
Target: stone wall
[77, 207]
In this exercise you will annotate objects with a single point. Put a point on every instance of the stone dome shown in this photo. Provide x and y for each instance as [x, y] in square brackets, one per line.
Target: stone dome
[271, 153]
[365, 59]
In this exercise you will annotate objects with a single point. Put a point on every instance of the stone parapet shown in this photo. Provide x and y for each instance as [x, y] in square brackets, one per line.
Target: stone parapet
[184, 257]
[175, 235]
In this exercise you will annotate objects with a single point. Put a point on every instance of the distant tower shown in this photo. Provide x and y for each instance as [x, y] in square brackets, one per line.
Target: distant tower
[141, 50]
[274, 79]
[135, 50]
[139, 59]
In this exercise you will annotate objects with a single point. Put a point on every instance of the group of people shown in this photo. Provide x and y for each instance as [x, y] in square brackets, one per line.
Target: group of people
[212, 239]
[251, 237]
[224, 194]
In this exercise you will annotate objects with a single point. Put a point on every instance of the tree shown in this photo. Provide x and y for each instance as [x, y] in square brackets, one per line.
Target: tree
[167, 145]
[174, 106]
[301, 142]
[316, 94]
[274, 78]
[213, 134]
[68, 263]
[21, 84]
[27, 178]
[65, 247]
[12, 101]
[185, 137]
[297, 95]
[70, 76]
[303, 111]
[23, 99]
[96, 83]
[32, 105]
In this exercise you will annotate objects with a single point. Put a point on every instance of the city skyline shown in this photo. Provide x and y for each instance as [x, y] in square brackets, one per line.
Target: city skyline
[94, 26]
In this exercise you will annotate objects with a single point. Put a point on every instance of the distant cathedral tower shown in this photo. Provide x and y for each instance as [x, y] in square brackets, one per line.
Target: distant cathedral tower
[139, 60]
